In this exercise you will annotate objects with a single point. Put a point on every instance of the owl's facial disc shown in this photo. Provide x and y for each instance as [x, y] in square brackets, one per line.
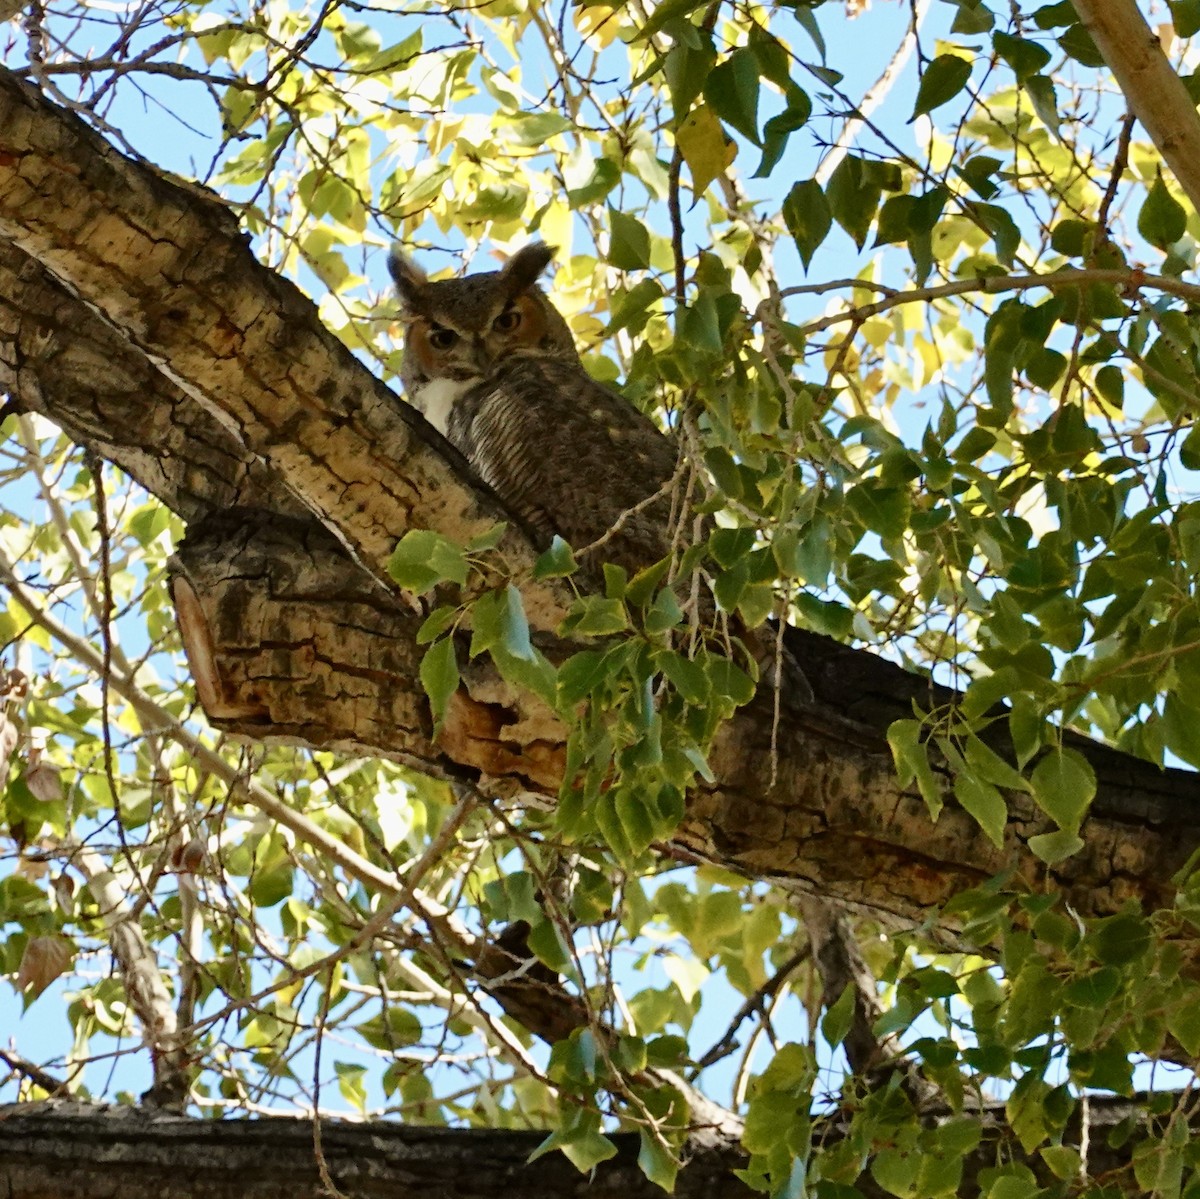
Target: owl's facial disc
[516, 329]
[442, 352]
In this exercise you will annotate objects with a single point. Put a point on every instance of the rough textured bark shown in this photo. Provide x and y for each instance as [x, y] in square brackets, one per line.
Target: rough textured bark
[68, 1151]
[132, 313]
[291, 634]
[60, 1150]
[61, 359]
[294, 629]
[165, 267]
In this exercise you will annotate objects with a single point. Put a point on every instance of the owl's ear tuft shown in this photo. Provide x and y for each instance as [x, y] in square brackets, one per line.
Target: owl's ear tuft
[410, 280]
[522, 270]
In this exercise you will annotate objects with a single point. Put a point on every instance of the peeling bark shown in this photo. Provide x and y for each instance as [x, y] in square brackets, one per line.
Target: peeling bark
[292, 624]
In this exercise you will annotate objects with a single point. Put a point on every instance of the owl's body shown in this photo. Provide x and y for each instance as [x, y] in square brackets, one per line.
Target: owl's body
[492, 365]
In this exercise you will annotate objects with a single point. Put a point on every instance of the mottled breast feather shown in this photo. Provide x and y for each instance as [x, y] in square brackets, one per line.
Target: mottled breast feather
[570, 457]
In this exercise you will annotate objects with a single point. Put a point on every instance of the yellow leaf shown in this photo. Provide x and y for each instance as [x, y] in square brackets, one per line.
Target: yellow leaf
[598, 23]
[704, 147]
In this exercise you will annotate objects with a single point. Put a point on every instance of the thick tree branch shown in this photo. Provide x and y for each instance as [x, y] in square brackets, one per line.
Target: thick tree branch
[58, 358]
[1155, 93]
[62, 1150]
[167, 270]
[292, 637]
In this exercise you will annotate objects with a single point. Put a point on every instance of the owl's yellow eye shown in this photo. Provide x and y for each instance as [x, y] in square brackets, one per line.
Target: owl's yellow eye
[507, 321]
[441, 338]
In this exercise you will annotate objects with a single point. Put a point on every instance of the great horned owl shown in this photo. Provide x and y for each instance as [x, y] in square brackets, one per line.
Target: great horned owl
[491, 364]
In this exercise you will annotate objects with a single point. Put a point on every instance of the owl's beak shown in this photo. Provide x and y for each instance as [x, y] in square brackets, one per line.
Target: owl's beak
[483, 360]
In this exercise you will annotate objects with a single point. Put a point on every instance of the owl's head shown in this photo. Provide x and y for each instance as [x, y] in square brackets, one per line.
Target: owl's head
[465, 329]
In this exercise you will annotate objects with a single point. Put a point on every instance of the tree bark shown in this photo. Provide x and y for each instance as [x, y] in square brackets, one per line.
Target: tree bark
[1153, 89]
[139, 320]
[65, 1150]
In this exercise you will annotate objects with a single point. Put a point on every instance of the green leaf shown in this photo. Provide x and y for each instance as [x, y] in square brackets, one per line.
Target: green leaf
[808, 217]
[1025, 57]
[487, 622]
[729, 681]
[631, 309]
[944, 78]
[1056, 847]
[1063, 784]
[596, 616]
[657, 1163]
[1012, 1186]
[853, 196]
[1064, 1162]
[894, 216]
[999, 223]
[580, 674]
[978, 172]
[1162, 219]
[604, 177]
[883, 510]
[629, 242]
[698, 325]
[1183, 1019]
[637, 821]
[1096, 989]
[587, 1150]
[1189, 451]
[351, 1084]
[778, 128]
[835, 1024]
[423, 559]
[1026, 726]
[689, 677]
[1186, 17]
[912, 762]
[514, 627]
[1120, 940]
[1044, 97]
[1081, 46]
[991, 767]
[1001, 338]
[665, 613]
[1073, 238]
[895, 1170]
[686, 70]
[985, 803]
[488, 539]
[272, 885]
[537, 128]
[1181, 728]
[440, 677]
[729, 546]
[732, 90]
[557, 562]
[973, 16]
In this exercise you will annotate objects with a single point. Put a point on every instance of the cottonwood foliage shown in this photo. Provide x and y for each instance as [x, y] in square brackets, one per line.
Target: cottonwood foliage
[933, 356]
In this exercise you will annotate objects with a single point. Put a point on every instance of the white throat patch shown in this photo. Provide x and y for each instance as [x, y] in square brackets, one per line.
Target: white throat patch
[435, 401]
